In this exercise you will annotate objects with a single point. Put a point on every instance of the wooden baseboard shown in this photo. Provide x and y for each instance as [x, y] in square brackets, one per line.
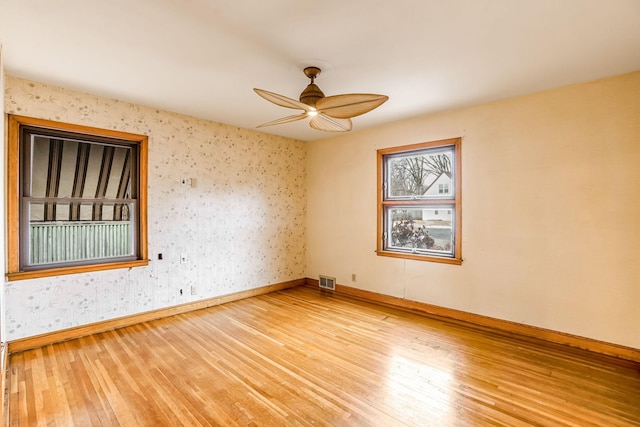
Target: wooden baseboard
[120, 322]
[489, 323]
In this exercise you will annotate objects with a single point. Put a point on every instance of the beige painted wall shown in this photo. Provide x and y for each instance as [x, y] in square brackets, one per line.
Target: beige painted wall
[551, 210]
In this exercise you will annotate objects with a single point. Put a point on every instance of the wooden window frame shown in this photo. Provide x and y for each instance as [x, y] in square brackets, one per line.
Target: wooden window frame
[15, 124]
[456, 201]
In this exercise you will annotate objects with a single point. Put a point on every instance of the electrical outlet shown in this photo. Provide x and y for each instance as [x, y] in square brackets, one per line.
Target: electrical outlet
[353, 277]
[193, 290]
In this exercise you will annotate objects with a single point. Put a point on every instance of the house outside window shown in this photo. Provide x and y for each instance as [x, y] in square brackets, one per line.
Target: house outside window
[419, 202]
[78, 199]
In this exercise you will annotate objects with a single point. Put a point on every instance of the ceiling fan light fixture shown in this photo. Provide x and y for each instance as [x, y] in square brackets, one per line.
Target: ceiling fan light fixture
[332, 114]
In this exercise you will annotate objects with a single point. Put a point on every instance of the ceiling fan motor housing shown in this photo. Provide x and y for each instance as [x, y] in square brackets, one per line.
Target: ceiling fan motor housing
[311, 95]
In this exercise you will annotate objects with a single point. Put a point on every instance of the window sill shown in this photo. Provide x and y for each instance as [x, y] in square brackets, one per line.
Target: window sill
[416, 257]
[23, 275]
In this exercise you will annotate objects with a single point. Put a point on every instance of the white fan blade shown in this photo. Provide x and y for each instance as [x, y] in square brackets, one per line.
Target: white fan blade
[284, 120]
[349, 105]
[330, 124]
[282, 100]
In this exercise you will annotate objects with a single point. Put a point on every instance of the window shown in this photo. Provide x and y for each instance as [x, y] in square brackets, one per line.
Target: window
[417, 184]
[76, 200]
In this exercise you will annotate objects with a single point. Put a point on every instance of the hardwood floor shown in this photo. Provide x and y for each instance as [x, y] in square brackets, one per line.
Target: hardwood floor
[302, 357]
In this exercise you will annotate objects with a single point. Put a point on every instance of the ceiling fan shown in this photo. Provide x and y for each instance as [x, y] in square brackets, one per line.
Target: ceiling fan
[328, 113]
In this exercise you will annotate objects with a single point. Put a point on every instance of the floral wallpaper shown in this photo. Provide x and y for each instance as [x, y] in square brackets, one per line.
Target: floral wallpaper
[241, 224]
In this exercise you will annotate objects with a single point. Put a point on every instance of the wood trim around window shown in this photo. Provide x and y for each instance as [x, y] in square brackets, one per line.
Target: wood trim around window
[13, 196]
[457, 202]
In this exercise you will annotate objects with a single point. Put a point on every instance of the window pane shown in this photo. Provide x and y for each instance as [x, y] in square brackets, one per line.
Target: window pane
[63, 241]
[69, 168]
[39, 162]
[423, 176]
[418, 229]
[119, 174]
[94, 164]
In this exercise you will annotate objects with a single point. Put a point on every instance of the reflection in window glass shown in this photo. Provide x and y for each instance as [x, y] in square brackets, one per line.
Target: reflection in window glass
[421, 229]
[424, 175]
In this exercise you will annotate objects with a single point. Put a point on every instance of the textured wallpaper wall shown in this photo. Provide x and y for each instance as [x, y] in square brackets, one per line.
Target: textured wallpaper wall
[241, 226]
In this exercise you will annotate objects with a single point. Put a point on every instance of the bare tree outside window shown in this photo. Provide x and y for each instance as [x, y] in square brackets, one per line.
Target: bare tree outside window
[412, 176]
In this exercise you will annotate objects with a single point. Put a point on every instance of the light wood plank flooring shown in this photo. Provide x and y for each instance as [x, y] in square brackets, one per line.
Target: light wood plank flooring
[301, 357]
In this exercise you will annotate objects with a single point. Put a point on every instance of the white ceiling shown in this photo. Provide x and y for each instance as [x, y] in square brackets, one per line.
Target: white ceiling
[203, 57]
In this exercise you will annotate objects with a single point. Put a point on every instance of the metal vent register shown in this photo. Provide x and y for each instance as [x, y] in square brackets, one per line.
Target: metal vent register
[328, 283]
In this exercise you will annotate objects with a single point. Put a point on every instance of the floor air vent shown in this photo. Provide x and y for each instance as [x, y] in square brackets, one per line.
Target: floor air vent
[328, 283]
